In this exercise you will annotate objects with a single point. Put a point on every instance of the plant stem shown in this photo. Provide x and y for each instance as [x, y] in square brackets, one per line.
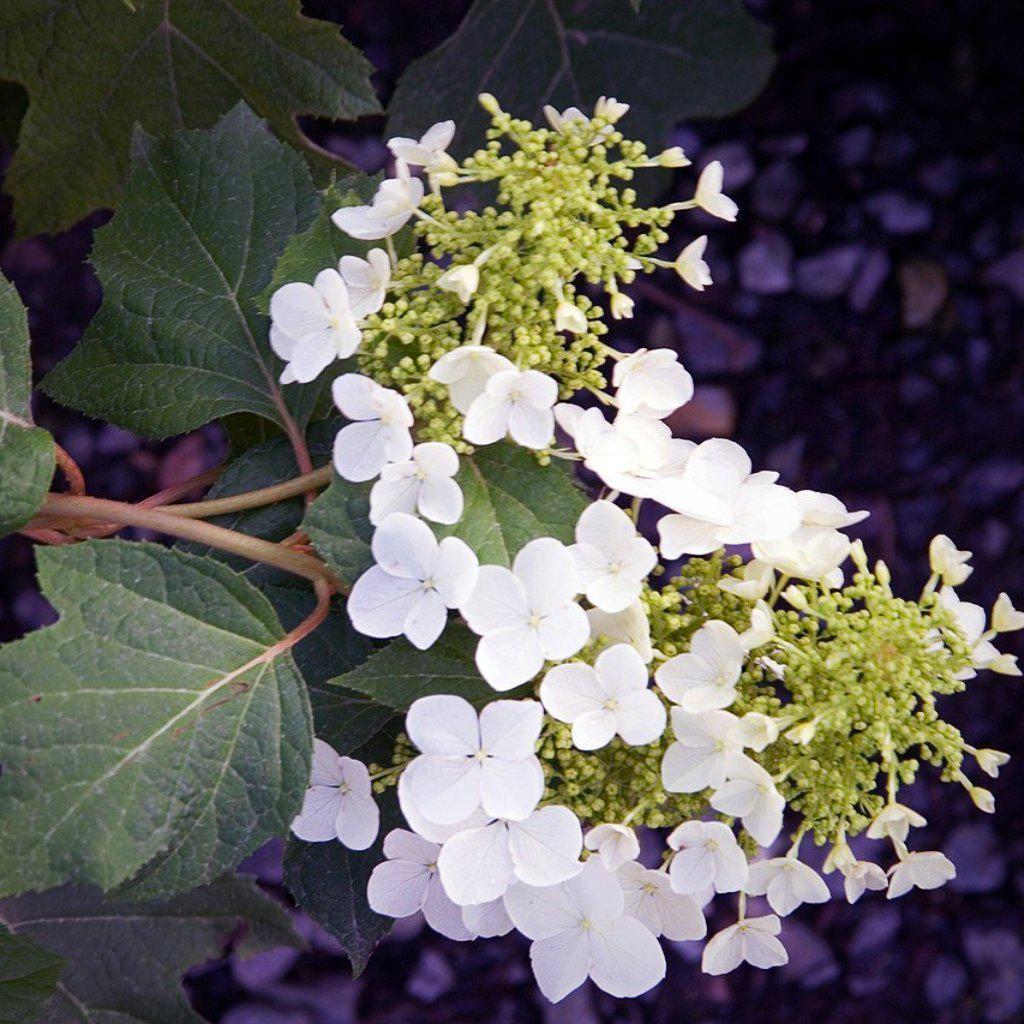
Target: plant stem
[68, 466]
[73, 507]
[254, 499]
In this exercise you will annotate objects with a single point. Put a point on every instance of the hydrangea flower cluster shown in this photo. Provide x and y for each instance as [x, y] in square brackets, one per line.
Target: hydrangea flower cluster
[726, 704]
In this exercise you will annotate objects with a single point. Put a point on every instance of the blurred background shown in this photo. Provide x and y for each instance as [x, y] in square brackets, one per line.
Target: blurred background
[864, 336]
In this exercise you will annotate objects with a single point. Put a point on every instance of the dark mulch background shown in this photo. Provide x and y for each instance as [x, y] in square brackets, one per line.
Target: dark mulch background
[865, 336]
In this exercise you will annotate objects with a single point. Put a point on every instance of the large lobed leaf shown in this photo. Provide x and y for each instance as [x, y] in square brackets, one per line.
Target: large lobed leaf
[94, 70]
[179, 340]
[26, 452]
[670, 59]
[28, 978]
[125, 960]
[153, 729]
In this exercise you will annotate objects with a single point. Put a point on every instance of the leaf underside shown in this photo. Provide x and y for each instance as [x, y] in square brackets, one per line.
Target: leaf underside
[26, 451]
[179, 341]
[94, 70]
[671, 60]
[28, 978]
[125, 960]
[149, 731]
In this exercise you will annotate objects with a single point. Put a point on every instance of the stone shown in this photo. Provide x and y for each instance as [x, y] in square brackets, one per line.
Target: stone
[924, 288]
[870, 278]
[766, 264]
[431, 978]
[853, 147]
[828, 275]
[1008, 272]
[736, 159]
[776, 190]
[945, 981]
[898, 213]
[975, 850]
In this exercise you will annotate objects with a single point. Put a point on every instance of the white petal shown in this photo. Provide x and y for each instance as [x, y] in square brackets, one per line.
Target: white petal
[425, 619]
[511, 789]
[724, 952]
[360, 450]
[546, 846]
[529, 426]
[487, 419]
[397, 888]
[683, 535]
[571, 690]
[440, 500]
[681, 918]
[625, 958]
[455, 572]
[401, 844]
[379, 602]
[327, 770]
[564, 631]
[405, 546]
[443, 914]
[487, 920]
[443, 724]
[509, 657]
[509, 728]
[357, 396]
[298, 310]
[446, 789]
[540, 912]
[497, 601]
[640, 717]
[547, 571]
[692, 870]
[593, 729]
[475, 865]
[560, 963]
[317, 821]
[389, 496]
[429, 830]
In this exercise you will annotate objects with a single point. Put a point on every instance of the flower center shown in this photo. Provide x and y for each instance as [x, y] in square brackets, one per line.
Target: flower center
[533, 621]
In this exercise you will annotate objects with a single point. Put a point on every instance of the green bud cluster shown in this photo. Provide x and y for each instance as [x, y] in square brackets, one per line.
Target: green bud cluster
[563, 213]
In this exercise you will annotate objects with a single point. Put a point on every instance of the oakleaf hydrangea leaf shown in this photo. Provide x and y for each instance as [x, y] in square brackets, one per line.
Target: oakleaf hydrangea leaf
[338, 524]
[26, 452]
[93, 71]
[178, 340]
[155, 728]
[125, 960]
[671, 60]
[511, 499]
[28, 977]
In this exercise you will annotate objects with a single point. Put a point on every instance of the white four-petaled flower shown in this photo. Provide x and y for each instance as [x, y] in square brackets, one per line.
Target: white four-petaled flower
[367, 281]
[753, 940]
[579, 929]
[750, 794]
[611, 698]
[393, 204]
[691, 266]
[424, 484]
[516, 403]
[612, 559]
[526, 615]
[809, 553]
[312, 325]
[469, 761]
[650, 898]
[925, 869]
[630, 626]
[429, 150]
[413, 585]
[651, 382]
[704, 677]
[787, 882]
[408, 881]
[615, 844]
[466, 371]
[707, 854]
[708, 195]
[339, 802]
[706, 747]
[947, 562]
[379, 433]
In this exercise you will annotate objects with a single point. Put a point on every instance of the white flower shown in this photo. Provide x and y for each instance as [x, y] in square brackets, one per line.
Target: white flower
[380, 433]
[616, 844]
[761, 629]
[691, 266]
[612, 559]
[970, 620]
[578, 930]
[620, 306]
[515, 403]
[609, 699]
[704, 677]
[895, 821]
[426, 150]
[757, 731]
[466, 371]
[948, 563]
[990, 761]
[527, 614]
[312, 325]
[925, 869]
[1006, 618]
[414, 583]
[706, 747]
[408, 881]
[651, 382]
[393, 204]
[421, 825]
[424, 484]
[339, 802]
[717, 501]
[468, 761]
[649, 897]
[707, 855]
[787, 882]
[487, 920]
[672, 157]
[463, 280]
[569, 317]
[820, 509]
[610, 109]
[860, 876]
[708, 195]
[809, 553]
[750, 794]
[754, 940]
[755, 580]
[367, 281]
[630, 626]
[559, 119]
[478, 865]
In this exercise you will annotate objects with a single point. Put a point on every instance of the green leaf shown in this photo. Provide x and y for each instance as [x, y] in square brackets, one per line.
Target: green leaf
[28, 977]
[329, 883]
[125, 960]
[94, 70]
[178, 340]
[338, 523]
[26, 452]
[672, 60]
[152, 729]
[511, 499]
[398, 674]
